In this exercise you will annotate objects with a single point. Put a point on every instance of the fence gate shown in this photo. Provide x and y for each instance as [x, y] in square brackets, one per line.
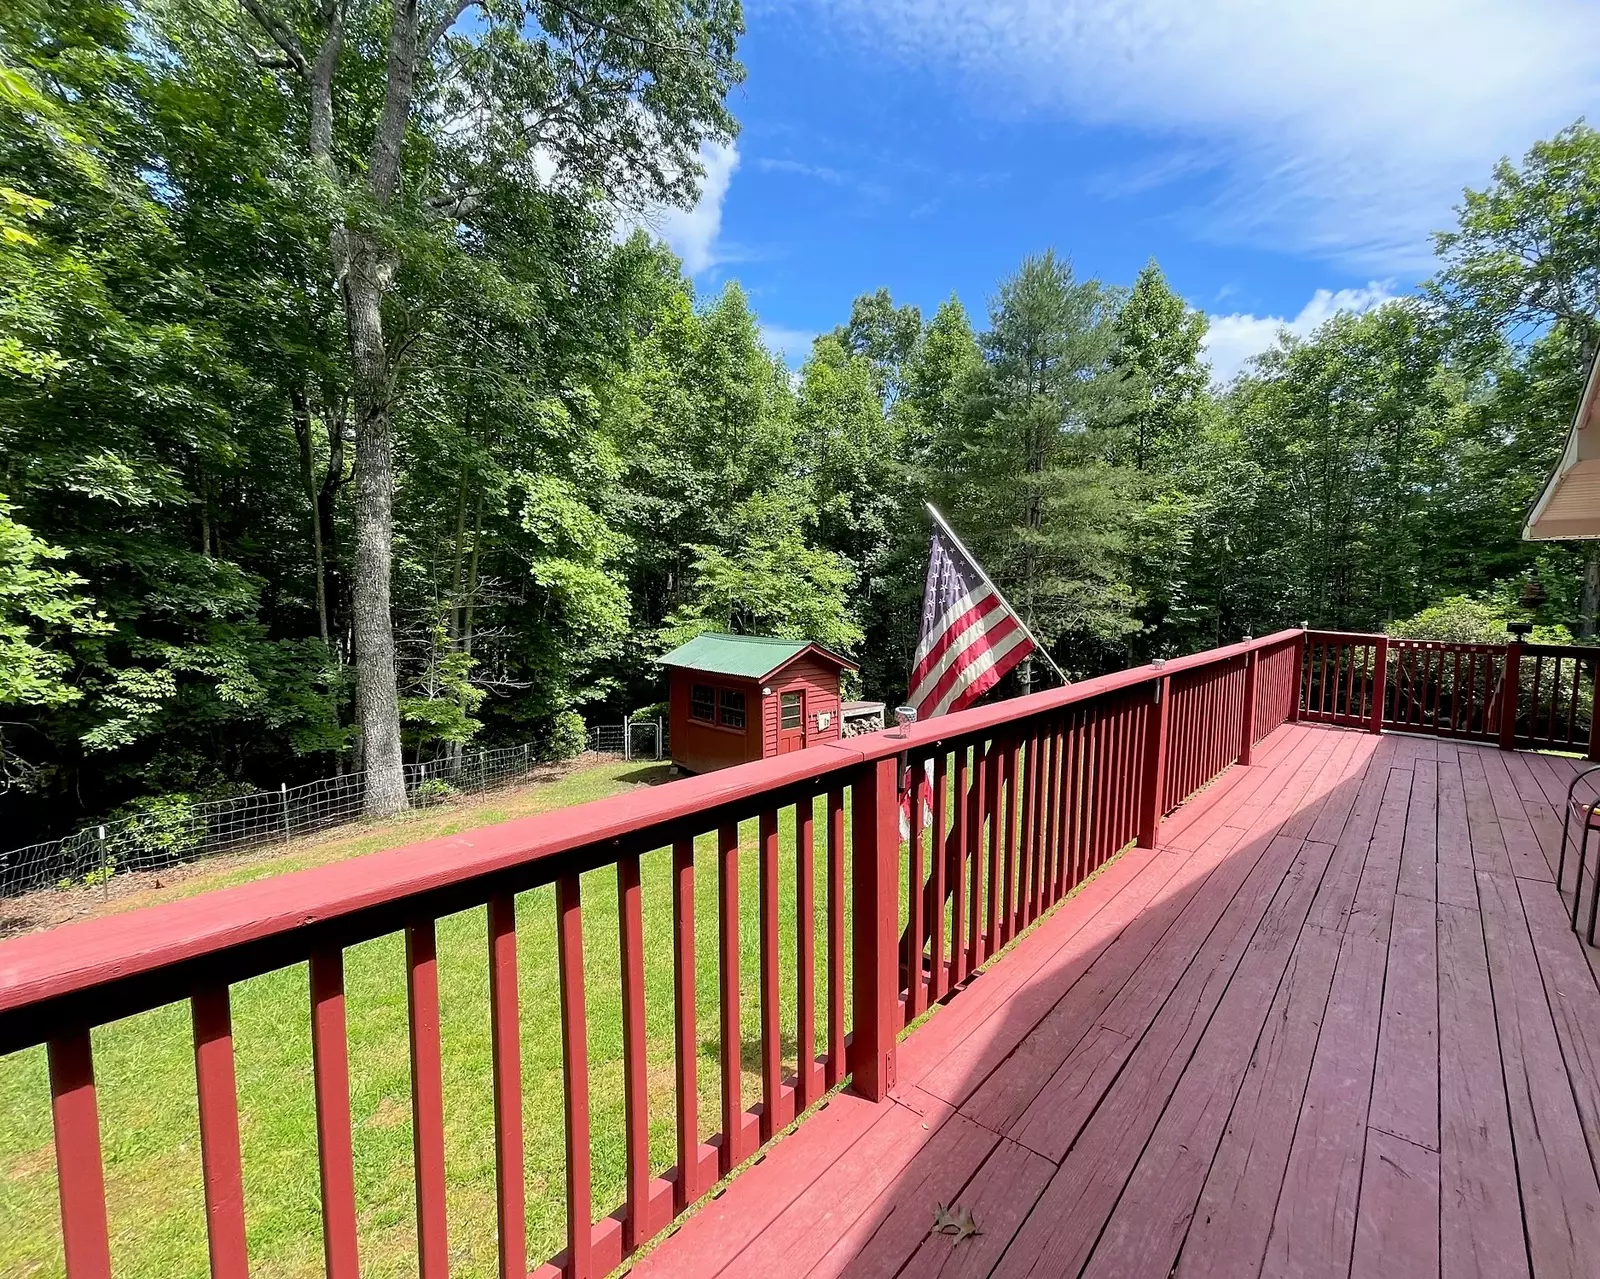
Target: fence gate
[642, 738]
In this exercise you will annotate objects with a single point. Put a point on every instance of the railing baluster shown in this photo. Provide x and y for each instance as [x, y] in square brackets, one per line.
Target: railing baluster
[916, 925]
[958, 869]
[575, 1075]
[975, 826]
[686, 1046]
[874, 921]
[335, 1156]
[1050, 844]
[506, 1049]
[218, 1097]
[1063, 810]
[730, 1154]
[1555, 697]
[939, 855]
[805, 947]
[836, 936]
[993, 823]
[771, 1044]
[80, 1175]
[1029, 802]
[1008, 898]
[1572, 706]
[427, 1098]
[635, 1077]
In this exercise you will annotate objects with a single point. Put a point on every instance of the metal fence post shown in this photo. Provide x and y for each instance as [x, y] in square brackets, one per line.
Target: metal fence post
[627, 737]
[283, 796]
[658, 739]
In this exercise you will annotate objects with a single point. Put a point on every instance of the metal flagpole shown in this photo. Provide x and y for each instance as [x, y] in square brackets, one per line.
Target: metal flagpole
[973, 560]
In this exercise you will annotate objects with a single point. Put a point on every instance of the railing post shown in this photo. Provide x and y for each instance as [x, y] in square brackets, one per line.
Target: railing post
[874, 926]
[1155, 763]
[1510, 693]
[1247, 736]
[1380, 683]
[1299, 675]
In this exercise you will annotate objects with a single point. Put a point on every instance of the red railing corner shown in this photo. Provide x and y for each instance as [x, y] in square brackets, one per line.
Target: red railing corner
[874, 924]
[1510, 692]
[1301, 684]
[1247, 736]
[1155, 762]
[1380, 684]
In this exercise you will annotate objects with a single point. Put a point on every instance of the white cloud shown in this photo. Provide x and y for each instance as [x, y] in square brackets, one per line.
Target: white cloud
[793, 344]
[820, 172]
[1233, 339]
[693, 233]
[1339, 127]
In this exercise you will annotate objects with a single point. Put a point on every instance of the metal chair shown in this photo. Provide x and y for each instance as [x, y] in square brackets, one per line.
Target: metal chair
[1587, 812]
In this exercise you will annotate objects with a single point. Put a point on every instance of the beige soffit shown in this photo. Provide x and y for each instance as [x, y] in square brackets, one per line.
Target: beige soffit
[1569, 507]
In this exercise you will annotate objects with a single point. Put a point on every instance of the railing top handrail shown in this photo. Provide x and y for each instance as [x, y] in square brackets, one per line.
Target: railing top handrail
[372, 894]
[1353, 637]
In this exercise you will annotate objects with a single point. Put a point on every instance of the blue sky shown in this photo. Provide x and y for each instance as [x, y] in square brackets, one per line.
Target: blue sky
[1281, 160]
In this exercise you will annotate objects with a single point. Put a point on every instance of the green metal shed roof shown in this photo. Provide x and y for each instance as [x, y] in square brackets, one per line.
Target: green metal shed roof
[743, 656]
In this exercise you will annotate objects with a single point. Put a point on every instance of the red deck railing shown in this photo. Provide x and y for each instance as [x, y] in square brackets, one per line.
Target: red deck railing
[1032, 795]
[1454, 689]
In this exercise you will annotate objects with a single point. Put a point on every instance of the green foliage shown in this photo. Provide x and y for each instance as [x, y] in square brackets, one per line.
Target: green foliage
[1466, 619]
[569, 737]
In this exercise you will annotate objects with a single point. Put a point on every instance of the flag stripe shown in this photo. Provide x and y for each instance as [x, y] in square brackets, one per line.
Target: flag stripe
[972, 627]
[935, 634]
[986, 672]
[954, 676]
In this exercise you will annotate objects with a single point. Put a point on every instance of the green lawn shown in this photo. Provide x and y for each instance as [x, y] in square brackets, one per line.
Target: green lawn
[146, 1082]
[145, 1072]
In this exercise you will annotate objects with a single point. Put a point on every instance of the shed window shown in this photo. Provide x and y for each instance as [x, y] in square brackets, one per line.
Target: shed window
[702, 702]
[732, 708]
[791, 710]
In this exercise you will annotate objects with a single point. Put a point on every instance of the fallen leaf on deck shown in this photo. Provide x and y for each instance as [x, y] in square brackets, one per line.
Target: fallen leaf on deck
[955, 1220]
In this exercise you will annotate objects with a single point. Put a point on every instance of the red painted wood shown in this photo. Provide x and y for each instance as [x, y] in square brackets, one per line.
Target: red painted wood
[1041, 836]
[686, 1048]
[427, 1098]
[917, 898]
[771, 1043]
[1008, 896]
[1155, 762]
[732, 1044]
[976, 797]
[635, 1076]
[331, 1076]
[136, 953]
[875, 884]
[960, 830]
[1028, 805]
[835, 1071]
[806, 1089]
[1050, 836]
[79, 1173]
[506, 1054]
[575, 1077]
[218, 1097]
[1480, 1226]
[939, 854]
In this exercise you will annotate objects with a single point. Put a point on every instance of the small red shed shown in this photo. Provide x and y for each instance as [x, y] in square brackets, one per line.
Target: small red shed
[735, 698]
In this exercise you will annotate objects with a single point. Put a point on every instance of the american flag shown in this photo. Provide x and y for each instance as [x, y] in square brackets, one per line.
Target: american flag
[970, 638]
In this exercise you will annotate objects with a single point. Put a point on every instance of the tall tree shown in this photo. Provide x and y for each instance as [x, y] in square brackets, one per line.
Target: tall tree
[1524, 260]
[1045, 507]
[615, 95]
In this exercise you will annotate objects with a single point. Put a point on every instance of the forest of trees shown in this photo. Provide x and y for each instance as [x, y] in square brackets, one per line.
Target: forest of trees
[339, 424]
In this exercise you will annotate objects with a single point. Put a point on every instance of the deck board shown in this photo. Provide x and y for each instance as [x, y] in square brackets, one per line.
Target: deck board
[1337, 1024]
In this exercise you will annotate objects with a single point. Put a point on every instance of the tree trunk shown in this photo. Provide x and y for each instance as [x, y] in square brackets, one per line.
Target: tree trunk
[1591, 592]
[302, 432]
[377, 688]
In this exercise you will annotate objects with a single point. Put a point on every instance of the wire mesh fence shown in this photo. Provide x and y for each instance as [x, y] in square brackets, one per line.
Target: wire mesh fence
[174, 829]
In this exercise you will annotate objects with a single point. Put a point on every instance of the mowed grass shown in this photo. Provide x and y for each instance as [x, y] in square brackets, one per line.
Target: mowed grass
[145, 1071]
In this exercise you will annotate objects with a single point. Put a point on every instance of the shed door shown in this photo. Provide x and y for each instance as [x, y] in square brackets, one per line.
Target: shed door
[791, 721]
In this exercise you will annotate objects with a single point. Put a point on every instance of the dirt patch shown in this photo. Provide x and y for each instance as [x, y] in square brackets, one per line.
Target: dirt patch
[33, 1163]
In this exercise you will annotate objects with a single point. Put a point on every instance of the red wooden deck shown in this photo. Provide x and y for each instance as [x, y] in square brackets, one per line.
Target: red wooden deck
[1336, 1025]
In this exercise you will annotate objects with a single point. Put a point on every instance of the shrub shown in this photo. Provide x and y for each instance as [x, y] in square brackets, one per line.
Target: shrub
[156, 829]
[569, 737]
[655, 711]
